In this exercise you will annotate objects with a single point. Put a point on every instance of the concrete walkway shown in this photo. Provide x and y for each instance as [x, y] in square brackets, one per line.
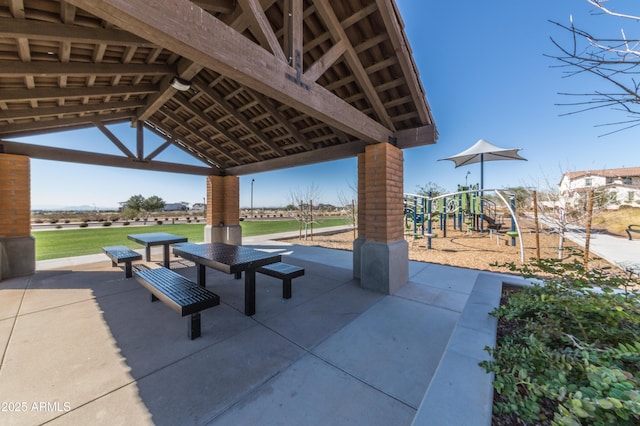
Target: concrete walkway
[83, 345]
[618, 251]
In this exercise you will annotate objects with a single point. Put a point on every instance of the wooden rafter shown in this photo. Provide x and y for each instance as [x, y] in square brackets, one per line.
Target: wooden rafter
[256, 68]
[269, 83]
[264, 33]
[335, 27]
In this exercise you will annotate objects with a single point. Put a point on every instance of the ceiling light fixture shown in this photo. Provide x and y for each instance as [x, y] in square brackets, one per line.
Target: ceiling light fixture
[180, 84]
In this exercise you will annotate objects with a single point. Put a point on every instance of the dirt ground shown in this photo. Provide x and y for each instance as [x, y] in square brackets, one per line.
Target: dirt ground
[476, 250]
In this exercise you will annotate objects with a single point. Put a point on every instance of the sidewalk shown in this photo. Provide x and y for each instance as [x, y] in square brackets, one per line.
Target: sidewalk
[619, 251]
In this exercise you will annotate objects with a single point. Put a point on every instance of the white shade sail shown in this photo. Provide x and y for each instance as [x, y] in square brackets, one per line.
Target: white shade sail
[484, 151]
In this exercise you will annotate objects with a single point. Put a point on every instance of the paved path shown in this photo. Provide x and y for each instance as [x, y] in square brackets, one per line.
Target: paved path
[619, 251]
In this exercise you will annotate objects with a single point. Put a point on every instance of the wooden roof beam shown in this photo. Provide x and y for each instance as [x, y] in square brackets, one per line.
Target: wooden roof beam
[180, 144]
[38, 30]
[186, 70]
[394, 24]
[409, 138]
[326, 61]
[217, 6]
[180, 27]
[335, 27]
[47, 126]
[47, 93]
[67, 110]
[75, 156]
[57, 69]
[262, 28]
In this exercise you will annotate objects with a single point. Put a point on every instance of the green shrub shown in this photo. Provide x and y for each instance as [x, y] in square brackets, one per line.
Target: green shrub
[83, 225]
[568, 351]
[106, 223]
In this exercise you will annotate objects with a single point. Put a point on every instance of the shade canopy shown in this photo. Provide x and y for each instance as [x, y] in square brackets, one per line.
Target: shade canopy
[484, 151]
[242, 86]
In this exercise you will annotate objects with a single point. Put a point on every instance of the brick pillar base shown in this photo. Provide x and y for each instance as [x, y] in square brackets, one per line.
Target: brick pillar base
[385, 266]
[17, 246]
[381, 254]
[17, 257]
[223, 210]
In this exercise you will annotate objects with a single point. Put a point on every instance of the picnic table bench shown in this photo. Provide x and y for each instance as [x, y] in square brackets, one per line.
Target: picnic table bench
[179, 293]
[283, 271]
[119, 254]
[633, 228]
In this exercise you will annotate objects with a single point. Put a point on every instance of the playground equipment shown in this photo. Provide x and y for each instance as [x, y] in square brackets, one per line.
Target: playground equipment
[466, 206]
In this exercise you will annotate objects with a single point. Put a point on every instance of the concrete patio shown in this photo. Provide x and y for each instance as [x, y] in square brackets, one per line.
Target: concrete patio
[83, 345]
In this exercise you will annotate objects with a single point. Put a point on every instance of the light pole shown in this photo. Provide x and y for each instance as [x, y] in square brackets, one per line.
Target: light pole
[252, 180]
[465, 179]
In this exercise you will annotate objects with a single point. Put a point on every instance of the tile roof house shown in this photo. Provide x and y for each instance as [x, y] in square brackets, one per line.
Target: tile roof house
[624, 183]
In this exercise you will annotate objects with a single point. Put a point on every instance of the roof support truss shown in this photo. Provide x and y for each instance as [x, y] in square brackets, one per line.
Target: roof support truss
[199, 36]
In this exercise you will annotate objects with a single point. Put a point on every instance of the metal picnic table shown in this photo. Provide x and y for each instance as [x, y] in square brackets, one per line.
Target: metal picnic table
[157, 239]
[230, 259]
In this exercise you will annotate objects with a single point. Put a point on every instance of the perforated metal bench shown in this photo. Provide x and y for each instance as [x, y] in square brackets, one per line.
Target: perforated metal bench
[285, 272]
[180, 294]
[119, 254]
[633, 228]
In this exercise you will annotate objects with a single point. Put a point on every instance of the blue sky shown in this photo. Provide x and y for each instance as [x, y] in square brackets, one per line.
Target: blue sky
[483, 67]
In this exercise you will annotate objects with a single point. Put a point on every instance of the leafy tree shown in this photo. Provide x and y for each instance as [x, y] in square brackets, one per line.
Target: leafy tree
[153, 203]
[135, 203]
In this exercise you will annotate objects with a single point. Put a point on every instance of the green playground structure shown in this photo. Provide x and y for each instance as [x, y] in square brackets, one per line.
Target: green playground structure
[463, 207]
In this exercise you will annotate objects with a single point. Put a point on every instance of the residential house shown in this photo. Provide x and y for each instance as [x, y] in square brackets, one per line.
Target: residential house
[623, 184]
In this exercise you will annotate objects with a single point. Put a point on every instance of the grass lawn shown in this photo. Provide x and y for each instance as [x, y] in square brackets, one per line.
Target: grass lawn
[77, 242]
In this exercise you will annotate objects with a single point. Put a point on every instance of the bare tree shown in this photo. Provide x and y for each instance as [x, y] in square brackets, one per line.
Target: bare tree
[304, 200]
[612, 59]
[565, 211]
[349, 203]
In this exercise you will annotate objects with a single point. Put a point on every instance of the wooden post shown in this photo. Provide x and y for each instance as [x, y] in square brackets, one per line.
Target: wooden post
[535, 216]
[588, 230]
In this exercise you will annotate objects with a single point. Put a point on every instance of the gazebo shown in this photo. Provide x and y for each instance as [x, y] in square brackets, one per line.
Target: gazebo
[245, 86]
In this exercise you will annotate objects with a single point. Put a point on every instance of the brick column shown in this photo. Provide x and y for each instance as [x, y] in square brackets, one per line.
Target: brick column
[17, 246]
[384, 253]
[223, 210]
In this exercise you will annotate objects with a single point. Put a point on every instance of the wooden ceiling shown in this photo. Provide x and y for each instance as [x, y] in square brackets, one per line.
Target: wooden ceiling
[269, 83]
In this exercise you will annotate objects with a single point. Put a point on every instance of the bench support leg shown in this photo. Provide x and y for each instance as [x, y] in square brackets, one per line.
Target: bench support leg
[113, 263]
[286, 288]
[202, 275]
[194, 326]
[167, 262]
[153, 298]
[250, 292]
[147, 253]
[128, 273]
